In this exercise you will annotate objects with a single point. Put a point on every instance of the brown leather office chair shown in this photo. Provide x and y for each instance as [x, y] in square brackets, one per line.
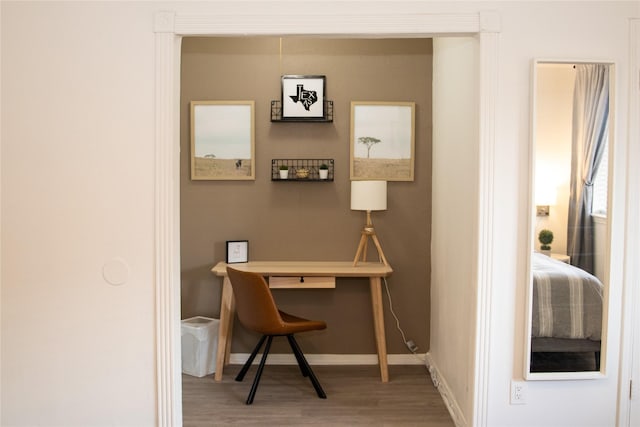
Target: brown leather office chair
[258, 312]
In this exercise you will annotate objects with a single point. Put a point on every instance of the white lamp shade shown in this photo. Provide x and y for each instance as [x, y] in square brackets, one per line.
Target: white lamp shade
[369, 195]
[546, 189]
[546, 196]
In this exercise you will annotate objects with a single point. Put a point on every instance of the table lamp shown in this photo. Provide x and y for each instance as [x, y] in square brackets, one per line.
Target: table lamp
[546, 196]
[368, 196]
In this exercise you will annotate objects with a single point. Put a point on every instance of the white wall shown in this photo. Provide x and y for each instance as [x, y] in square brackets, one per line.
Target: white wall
[454, 224]
[77, 191]
[77, 194]
[553, 119]
[593, 31]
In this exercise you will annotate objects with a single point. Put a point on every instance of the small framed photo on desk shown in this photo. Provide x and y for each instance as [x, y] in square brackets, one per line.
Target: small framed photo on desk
[237, 251]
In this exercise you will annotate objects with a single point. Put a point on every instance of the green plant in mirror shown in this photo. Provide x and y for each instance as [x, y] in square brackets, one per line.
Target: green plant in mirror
[545, 237]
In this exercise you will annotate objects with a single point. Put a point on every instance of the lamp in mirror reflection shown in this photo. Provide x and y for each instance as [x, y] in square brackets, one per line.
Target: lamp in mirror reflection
[546, 196]
[368, 196]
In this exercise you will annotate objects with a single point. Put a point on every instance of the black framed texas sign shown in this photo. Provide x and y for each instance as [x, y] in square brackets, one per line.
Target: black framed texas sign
[303, 97]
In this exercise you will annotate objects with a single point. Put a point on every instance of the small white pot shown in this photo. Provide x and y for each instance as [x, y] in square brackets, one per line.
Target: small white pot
[324, 173]
[284, 174]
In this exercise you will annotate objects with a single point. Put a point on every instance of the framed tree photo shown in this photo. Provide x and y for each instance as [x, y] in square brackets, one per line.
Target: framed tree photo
[303, 97]
[222, 140]
[382, 141]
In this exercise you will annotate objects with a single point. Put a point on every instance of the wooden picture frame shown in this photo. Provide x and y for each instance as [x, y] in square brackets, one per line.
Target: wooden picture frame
[222, 140]
[303, 97]
[382, 141]
[237, 251]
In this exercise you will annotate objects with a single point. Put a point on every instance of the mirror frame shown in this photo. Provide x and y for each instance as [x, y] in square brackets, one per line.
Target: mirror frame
[531, 224]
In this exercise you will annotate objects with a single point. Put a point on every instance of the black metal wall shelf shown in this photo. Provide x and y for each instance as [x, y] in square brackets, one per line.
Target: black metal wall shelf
[302, 169]
[276, 114]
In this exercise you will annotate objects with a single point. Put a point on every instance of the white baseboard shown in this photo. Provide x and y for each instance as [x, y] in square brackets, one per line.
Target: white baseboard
[443, 388]
[333, 359]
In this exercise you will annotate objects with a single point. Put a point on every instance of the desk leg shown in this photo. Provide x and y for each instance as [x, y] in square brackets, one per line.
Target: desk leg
[225, 328]
[375, 284]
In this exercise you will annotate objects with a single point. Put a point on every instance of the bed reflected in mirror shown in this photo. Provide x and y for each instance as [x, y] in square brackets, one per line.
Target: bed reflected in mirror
[568, 266]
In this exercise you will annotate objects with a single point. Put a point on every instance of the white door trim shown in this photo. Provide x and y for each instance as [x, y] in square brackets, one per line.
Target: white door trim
[629, 409]
[231, 19]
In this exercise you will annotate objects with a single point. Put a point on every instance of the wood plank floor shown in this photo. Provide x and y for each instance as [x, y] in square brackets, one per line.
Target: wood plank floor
[355, 396]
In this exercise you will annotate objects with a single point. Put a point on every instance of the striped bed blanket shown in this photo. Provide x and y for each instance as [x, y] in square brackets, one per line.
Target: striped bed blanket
[567, 301]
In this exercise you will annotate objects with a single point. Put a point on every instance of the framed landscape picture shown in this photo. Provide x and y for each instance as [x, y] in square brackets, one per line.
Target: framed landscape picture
[222, 140]
[382, 141]
[303, 97]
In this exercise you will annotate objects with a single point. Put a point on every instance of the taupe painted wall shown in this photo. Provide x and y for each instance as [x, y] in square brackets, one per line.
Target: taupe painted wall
[310, 221]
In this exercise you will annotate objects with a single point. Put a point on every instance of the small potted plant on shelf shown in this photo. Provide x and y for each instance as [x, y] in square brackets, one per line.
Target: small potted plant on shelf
[323, 171]
[545, 237]
[284, 171]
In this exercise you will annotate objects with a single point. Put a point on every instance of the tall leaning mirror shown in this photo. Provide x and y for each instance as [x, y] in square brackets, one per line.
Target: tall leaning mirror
[569, 241]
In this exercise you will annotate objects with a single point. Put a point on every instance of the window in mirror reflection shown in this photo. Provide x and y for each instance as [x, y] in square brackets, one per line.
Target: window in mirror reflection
[571, 177]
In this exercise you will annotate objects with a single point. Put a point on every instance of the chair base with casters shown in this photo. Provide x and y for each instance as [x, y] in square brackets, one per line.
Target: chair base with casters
[305, 369]
[257, 311]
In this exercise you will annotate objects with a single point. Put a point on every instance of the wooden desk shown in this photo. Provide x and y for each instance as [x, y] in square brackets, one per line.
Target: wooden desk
[329, 269]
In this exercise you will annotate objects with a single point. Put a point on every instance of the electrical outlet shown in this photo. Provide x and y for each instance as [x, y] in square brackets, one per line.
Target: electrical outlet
[412, 346]
[518, 392]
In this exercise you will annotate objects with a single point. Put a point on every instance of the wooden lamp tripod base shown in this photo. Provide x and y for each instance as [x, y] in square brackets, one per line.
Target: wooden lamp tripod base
[368, 231]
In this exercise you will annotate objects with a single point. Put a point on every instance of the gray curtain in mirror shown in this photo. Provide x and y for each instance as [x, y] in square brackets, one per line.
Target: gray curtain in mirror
[590, 130]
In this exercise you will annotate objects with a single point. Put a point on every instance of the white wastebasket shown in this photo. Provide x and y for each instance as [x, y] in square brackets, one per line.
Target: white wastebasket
[199, 345]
